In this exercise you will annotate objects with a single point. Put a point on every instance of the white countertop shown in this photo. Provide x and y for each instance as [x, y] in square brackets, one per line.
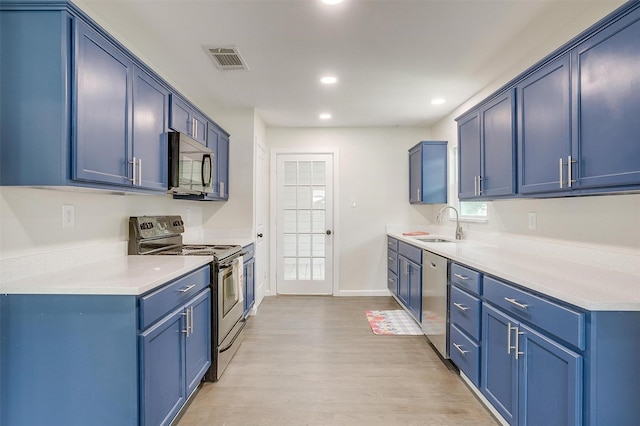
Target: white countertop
[123, 275]
[587, 287]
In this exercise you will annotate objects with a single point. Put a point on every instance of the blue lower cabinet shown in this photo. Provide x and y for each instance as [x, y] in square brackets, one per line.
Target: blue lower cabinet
[529, 378]
[465, 354]
[499, 365]
[162, 389]
[410, 286]
[78, 360]
[550, 381]
[249, 262]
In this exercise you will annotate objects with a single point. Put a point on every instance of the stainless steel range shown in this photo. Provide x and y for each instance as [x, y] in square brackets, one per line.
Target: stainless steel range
[162, 235]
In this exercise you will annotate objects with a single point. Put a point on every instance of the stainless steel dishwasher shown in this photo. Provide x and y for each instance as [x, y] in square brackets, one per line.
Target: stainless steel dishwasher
[435, 301]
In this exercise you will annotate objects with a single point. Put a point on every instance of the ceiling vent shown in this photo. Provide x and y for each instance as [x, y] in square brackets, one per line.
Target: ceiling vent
[226, 58]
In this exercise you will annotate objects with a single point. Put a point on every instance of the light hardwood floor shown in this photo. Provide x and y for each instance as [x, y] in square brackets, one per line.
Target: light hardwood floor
[314, 361]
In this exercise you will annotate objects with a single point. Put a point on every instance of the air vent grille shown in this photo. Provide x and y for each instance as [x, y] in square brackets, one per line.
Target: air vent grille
[226, 58]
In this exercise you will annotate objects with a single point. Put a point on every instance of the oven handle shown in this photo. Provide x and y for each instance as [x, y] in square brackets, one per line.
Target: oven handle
[230, 264]
[244, 323]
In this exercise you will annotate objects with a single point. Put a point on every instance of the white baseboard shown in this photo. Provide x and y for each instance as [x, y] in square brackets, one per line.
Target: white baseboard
[349, 293]
[484, 400]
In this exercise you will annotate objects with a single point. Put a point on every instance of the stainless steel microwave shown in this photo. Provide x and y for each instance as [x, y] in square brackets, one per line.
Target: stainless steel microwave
[191, 166]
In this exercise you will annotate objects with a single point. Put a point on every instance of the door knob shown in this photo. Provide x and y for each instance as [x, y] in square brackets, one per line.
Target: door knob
[328, 231]
[260, 235]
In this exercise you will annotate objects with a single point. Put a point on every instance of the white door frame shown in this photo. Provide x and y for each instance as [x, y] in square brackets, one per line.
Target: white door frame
[273, 190]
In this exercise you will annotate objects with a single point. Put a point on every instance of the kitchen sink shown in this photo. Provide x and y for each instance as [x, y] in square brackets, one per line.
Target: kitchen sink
[434, 240]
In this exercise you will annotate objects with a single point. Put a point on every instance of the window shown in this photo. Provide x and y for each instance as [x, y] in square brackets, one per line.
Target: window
[470, 211]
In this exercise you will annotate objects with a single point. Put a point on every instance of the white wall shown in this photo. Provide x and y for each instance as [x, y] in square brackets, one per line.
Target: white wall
[374, 169]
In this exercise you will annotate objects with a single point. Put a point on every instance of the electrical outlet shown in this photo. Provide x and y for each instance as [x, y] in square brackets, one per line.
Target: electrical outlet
[68, 216]
[533, 221]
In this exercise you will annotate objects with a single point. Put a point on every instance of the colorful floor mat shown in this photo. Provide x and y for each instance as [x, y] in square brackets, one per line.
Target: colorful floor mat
[396, 322]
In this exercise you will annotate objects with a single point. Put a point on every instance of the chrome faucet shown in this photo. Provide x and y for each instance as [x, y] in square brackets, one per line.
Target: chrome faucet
[458, 227]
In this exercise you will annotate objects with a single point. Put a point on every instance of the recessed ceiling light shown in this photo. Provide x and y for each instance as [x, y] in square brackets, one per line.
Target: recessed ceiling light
[437, 101]
[328, 79]
[331, 1]
[325, 116]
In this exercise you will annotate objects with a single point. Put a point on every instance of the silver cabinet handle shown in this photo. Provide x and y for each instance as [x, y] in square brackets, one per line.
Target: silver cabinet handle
[191, 322]
[461, 307]
[418, 194]
[509, 347]
[517, 347]
[479, 185]
[133, 172]
[406, 267]
[390, 258]
[515, 302]
[475, 185]
[462, 277]
[390, 280]
[186, 315]
[459, 348]
[561, 167]
[569, 179]
[186, 289]
[139, 171]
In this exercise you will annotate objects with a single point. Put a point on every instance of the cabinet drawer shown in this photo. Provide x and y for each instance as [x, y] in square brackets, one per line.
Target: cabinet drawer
[249, 251]
[392, 261]
[555, 319]
[392, 243]
[465, 312]
[410, 252]
[154, 305]
[465, 354]
[392, 282]
[466, 278]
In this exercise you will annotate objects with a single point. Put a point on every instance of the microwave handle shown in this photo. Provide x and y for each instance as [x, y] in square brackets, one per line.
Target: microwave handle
[206, 180]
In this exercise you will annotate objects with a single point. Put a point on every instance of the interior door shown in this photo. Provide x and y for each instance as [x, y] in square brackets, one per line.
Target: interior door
[304, 206]
[262, 189]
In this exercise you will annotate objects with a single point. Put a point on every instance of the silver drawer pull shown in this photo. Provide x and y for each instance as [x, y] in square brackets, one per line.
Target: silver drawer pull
[390, 258]
[461, 307]
[462, 277]
[515, 302]
[459, 348]
[186, 289]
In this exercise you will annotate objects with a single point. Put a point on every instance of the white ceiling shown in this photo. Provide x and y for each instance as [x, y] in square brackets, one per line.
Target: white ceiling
[391, 56]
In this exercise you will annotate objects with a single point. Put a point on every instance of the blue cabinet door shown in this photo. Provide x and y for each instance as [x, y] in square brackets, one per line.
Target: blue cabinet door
[103, 84]
[606, 95]
[249, 286]
[198, 342]
[499, 375]
[403, 280]
[415, 175]
[179, 119]
[150, 119]
[415, 290]
[223, 166]
[544, 128]
[162, 355]
[498, 147]
[469, 151]
[550, 382]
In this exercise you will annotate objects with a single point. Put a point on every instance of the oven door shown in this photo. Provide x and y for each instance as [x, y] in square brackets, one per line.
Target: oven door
[230, 297]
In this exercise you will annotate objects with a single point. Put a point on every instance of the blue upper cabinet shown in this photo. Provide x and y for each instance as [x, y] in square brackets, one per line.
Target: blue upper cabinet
[469, 149]
[498, 160]
[606, 99]
[428, 173]
[77, 108]
[103, 82]
[544, 128]
[185, 119]
[150, 117]
[486, 149]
